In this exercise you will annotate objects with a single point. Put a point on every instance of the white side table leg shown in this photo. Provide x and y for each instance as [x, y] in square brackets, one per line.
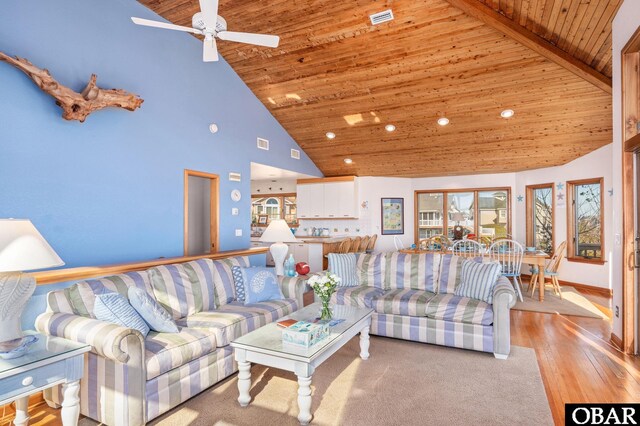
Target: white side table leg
[244, 382]
[304, 400]
[22, 412]
[70, 403]
[364, 343]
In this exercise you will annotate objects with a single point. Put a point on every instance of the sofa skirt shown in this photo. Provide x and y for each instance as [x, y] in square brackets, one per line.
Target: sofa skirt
[427, 330]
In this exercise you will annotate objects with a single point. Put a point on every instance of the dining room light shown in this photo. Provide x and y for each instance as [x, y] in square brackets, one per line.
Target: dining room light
[443, 121]
[390, 127]
[330, 135]
[507, 113]
[348, 160]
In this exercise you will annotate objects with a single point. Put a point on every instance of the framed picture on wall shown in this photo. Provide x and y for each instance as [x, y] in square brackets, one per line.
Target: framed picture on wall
[392, 216]
[263, 219]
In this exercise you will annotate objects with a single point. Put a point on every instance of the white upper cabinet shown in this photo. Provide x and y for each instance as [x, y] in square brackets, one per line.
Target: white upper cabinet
[328, 200]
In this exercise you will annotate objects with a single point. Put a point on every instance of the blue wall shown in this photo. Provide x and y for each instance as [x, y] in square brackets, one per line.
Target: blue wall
[111, 189]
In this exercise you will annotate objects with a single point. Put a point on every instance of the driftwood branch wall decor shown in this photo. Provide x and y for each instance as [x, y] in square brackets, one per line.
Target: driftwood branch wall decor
[75, 106]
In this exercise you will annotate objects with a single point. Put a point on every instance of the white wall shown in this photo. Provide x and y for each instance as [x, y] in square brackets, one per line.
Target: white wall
[625, 24]
[593, 165]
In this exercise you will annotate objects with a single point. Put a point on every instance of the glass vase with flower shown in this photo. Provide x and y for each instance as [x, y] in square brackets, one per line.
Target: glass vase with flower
[324, 285]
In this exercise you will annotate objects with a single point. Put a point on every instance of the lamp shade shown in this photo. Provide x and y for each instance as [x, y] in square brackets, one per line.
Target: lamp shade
[278, 232]
[22, 248]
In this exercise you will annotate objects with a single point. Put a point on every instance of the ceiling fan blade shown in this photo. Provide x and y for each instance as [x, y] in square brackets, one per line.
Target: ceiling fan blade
[209, 50]
[209, 9]
[157, 24]
[250, 38]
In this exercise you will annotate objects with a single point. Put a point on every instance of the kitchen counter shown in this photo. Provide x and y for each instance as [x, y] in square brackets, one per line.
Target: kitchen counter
[313, 240]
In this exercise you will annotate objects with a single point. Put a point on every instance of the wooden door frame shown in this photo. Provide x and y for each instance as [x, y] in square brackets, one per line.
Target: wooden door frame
[630, 58]
[214, 208]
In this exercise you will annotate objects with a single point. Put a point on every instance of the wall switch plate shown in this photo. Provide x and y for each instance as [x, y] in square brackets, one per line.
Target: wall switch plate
[238, 232]
[234, 211]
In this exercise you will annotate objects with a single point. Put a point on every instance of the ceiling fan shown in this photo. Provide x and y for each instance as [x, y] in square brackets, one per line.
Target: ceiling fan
[208, 23]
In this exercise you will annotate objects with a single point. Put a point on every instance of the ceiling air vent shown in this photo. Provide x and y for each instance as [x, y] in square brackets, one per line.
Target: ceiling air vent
[263, 144]
[295, 154]
[381, 17]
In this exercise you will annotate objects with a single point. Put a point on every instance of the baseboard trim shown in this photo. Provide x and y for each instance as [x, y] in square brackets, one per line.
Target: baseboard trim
[616, 341]
[604, 292]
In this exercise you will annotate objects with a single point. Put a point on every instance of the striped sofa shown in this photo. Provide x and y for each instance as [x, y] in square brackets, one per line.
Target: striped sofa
[413, 299]
[130, 380]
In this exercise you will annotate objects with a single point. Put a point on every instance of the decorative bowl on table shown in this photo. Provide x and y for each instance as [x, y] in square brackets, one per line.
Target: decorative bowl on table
[531, 249]
[16, 348]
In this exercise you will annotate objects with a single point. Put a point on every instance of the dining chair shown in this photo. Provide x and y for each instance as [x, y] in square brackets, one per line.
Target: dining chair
[363, 244]
[372, 243]
[468, 247]
[551, 270]
[344, 246]
[355, 244]
[396, 242]
[509, 253]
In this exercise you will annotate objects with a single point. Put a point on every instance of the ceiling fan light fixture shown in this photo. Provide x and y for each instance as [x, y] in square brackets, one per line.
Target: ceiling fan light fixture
[330, 135]
[507, 113]
[390, 128]
[348, 160]
[443, 121]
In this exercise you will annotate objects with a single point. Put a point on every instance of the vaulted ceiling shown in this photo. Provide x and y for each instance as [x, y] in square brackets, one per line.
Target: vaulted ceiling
[548, 60]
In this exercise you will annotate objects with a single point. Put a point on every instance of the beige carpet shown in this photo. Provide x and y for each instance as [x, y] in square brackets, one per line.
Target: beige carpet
[572, 303]
[403, 383]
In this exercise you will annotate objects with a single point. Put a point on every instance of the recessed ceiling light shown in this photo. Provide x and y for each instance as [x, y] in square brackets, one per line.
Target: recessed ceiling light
[507, 113]
[390, 127]
[443, 121]
[348, 160]
[331, 135]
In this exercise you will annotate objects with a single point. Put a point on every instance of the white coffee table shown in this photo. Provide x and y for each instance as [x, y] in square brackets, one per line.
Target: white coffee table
[264, 346]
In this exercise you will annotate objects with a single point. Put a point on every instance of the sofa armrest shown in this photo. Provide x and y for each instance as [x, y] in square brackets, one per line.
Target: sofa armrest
[504, 297]
[111, 341]
[294, 288]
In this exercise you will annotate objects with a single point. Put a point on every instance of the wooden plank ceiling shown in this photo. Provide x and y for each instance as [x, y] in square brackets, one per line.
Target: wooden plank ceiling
[334, 71]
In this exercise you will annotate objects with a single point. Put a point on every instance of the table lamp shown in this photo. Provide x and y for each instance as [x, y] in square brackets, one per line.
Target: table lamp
[278, 232]
[22, 248]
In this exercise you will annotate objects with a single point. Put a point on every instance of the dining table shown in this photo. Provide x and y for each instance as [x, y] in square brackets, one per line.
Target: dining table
[535, 258]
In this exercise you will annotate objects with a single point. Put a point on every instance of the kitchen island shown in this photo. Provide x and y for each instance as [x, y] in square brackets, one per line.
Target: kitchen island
[312, 250]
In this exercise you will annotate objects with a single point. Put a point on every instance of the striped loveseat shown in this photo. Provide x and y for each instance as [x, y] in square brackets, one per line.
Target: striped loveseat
[412, 296]
[130, 380]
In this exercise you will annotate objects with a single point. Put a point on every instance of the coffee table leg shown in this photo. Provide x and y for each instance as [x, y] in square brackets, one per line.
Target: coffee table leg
[364, 343]
[22, 413]
[244, 382]
[70, 403]
[304, 400]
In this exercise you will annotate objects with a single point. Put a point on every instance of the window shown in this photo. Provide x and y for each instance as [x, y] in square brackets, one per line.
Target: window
[540, 223]
[275, 206]
[481, 212]
[585, 232]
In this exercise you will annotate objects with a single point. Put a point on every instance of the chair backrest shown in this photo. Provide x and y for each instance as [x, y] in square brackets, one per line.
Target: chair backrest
[509, 253]
[344, 246]
[355, 245]
[437, 243]
[364, 243]
[486, 240]
[554, 263]
[372, 242]
[503, 237]
[396, 241]
[467, 247]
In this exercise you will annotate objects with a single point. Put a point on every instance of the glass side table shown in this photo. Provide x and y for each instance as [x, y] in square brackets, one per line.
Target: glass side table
[49, 362]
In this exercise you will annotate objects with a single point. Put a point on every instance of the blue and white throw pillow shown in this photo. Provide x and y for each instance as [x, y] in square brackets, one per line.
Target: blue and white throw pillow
[115, 308]
[478, 280]
[344, 266]
[156, 317]
[260, 285]
[238, 282]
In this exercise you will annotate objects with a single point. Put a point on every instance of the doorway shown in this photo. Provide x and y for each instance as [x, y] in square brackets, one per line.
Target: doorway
[201, 202]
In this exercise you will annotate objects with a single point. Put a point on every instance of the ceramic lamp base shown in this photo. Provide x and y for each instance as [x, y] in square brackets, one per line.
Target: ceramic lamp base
[279, 252]
[15, 291]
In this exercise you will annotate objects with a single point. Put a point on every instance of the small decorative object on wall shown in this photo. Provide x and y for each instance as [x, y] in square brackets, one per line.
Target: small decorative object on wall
[364, 205]
[559, 186]
[392, 216]
[611, 192]
[263, 219]
[560, 200]
[75, 106]
[520, 198]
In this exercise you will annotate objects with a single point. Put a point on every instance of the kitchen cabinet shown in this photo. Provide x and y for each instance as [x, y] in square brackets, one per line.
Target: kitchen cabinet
[328, 199]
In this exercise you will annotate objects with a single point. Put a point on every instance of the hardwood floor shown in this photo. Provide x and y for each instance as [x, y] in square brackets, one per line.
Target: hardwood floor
[576, 360]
